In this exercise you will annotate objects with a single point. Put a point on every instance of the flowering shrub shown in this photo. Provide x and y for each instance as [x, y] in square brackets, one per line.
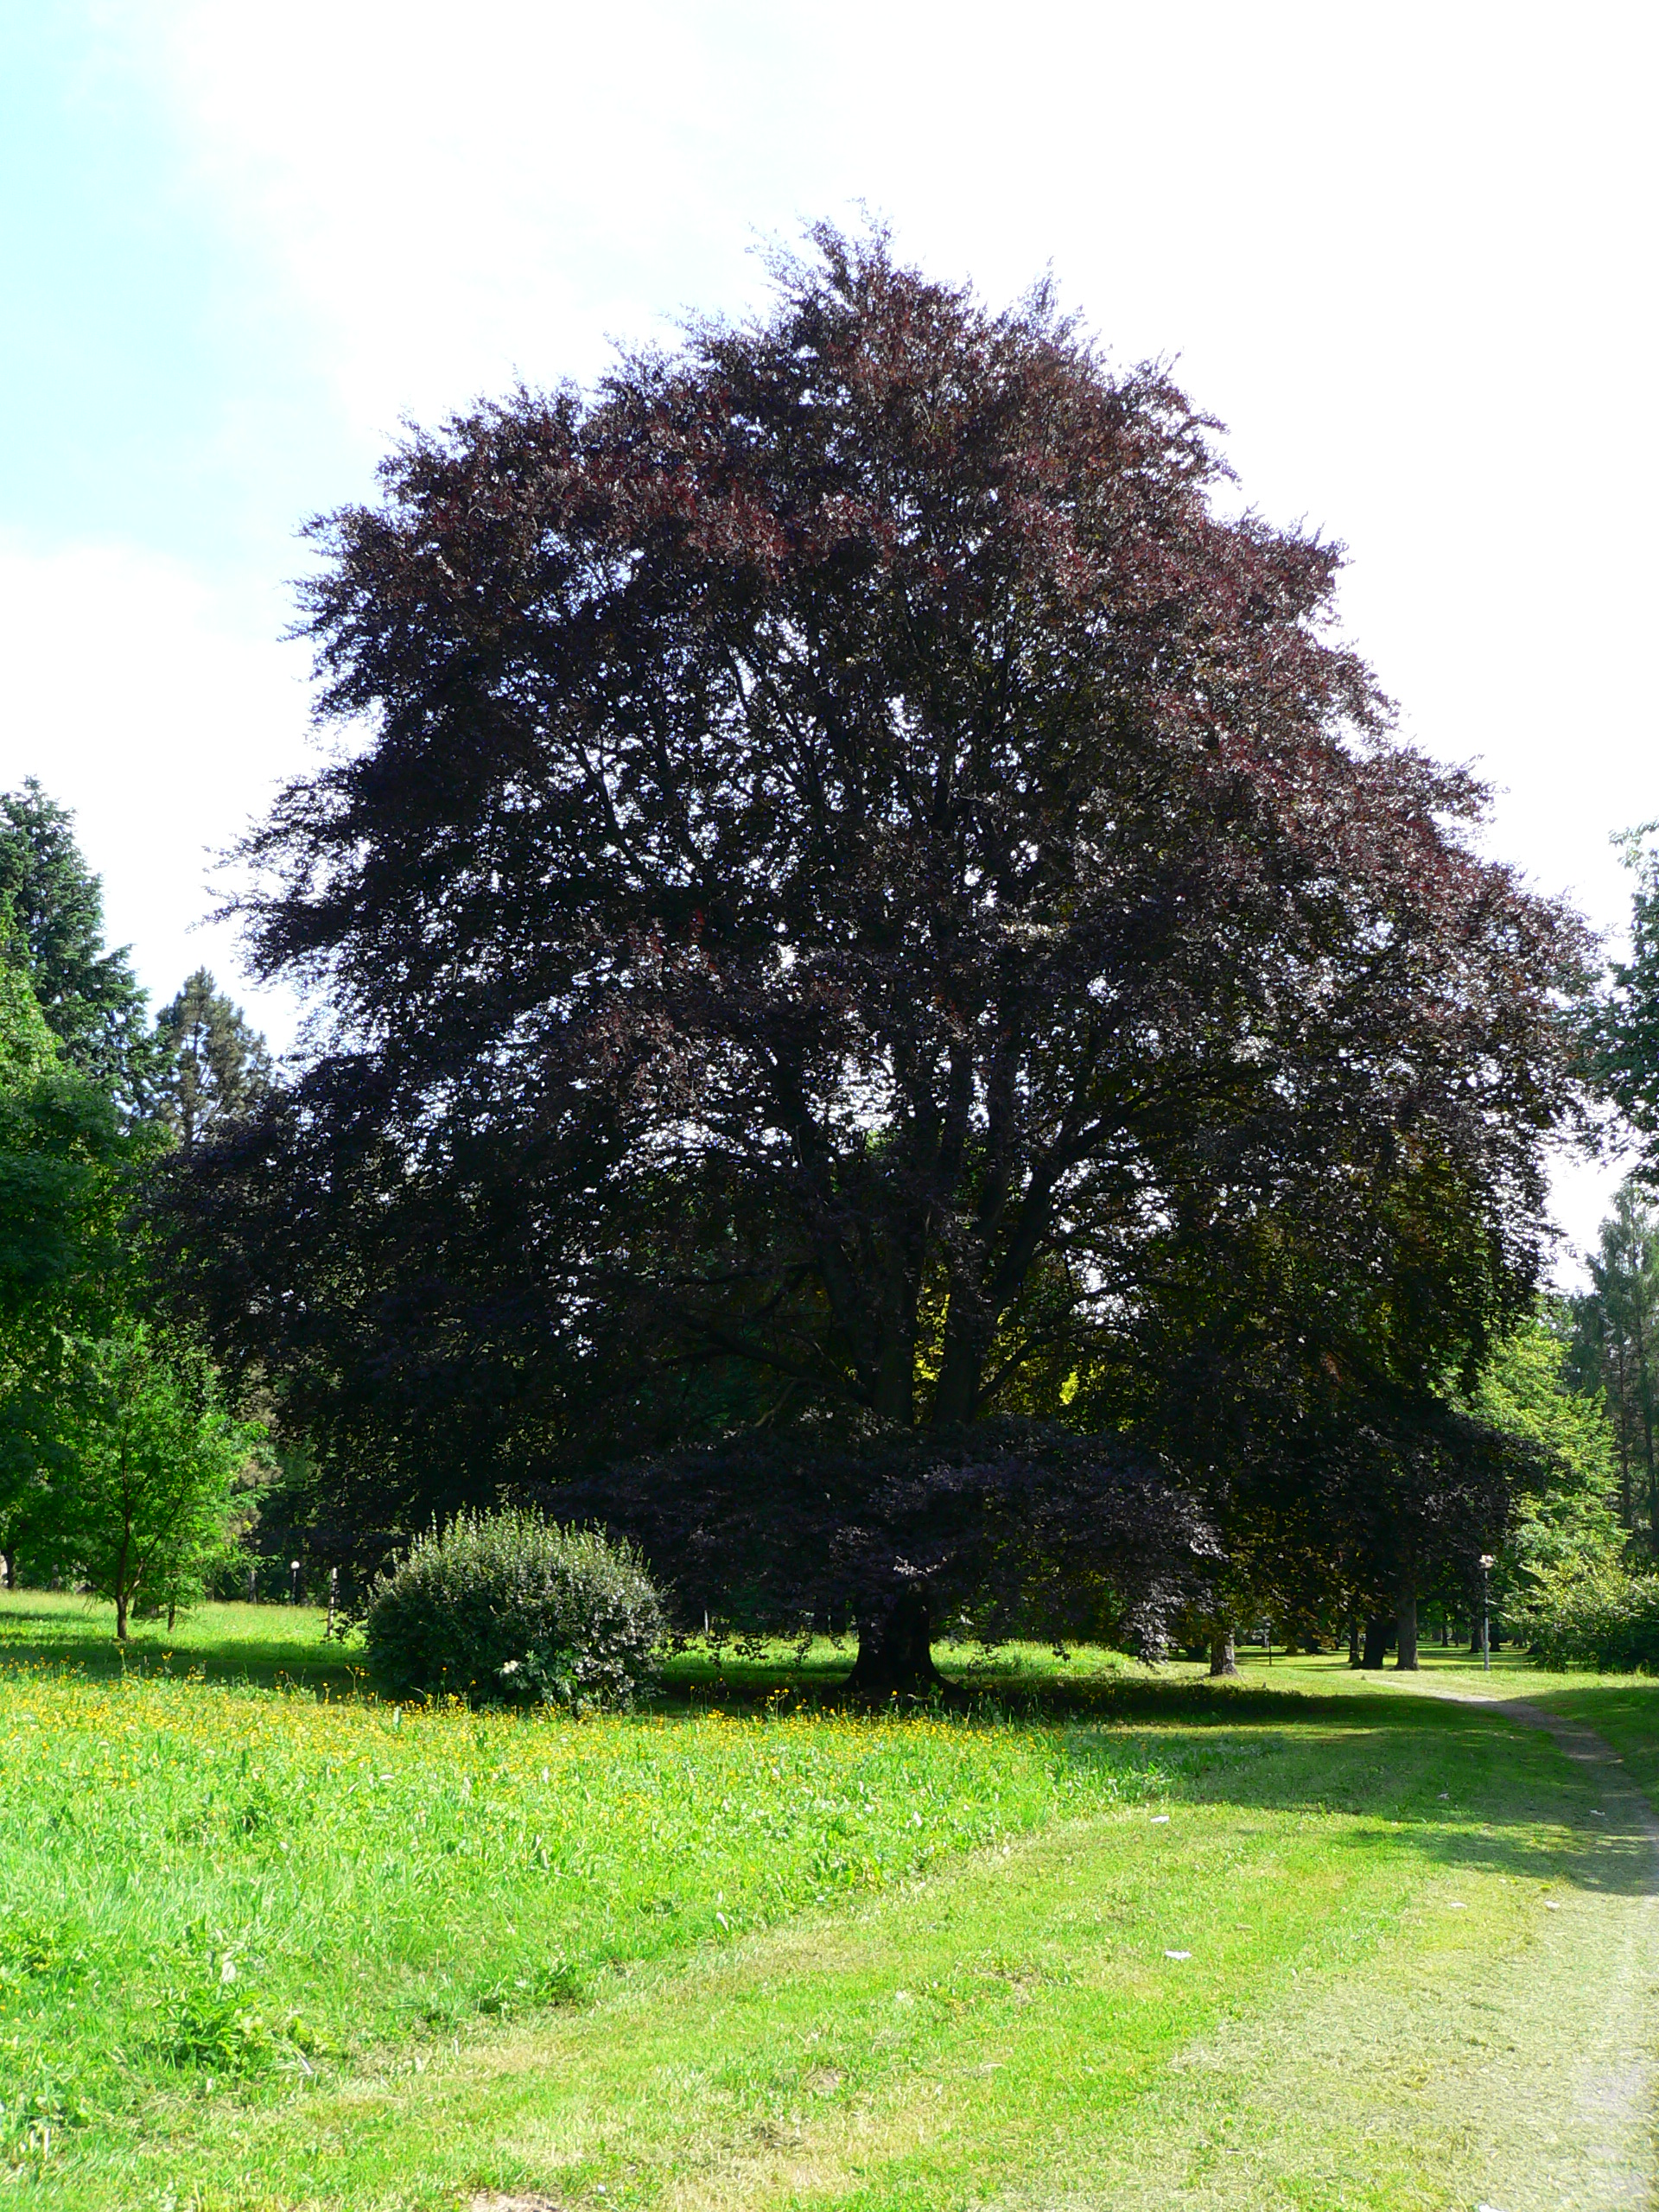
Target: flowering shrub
[507, 1608]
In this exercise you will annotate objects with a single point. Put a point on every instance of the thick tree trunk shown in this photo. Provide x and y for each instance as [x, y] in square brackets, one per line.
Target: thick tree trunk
[1224, 1658]
[1376, 1641]
[895, 1648]
[1405, 1624]
[121, 1616]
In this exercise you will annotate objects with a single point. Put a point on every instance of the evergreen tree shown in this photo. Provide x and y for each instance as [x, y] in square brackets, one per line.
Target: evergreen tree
[214, 1067]
[27, 1047]
[90, 996]
[63, 1194]
[1616, 1349]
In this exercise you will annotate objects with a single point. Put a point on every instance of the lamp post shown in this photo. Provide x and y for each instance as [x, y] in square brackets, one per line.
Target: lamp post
[1487, 1563]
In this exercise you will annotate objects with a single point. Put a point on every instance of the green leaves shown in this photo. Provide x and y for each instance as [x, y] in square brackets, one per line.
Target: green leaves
[508, 1608]
[143, 1510]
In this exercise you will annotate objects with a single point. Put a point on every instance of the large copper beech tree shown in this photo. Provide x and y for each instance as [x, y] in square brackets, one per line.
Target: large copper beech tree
[839, 839]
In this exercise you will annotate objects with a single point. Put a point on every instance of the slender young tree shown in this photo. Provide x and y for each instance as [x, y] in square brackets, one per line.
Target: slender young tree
[145, 1509]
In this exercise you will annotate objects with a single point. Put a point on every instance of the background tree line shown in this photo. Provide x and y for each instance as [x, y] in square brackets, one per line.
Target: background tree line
[120, 1466]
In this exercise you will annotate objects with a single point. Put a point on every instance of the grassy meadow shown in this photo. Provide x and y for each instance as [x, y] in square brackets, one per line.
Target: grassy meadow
[1110, 1939]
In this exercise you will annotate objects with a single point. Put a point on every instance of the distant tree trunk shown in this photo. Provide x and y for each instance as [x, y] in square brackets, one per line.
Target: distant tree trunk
[1223, 1659]
[895, 1648]
[1405, 1620]
[121, 1613]
[1353, 1639]
[11, 1569]
[1376, 1641]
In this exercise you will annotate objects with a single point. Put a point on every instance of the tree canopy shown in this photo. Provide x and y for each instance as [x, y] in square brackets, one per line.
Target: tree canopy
[213, 1065]
[852, 855]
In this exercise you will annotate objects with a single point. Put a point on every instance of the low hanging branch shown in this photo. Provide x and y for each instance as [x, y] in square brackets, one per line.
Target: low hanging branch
[1008, 1528]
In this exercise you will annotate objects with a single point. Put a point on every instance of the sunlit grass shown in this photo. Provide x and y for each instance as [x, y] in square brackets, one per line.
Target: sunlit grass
[241, 1881]
[268, 1943]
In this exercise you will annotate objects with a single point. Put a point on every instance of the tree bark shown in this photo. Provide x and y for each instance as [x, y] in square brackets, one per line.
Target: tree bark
[1376, 1641]
[120, 1616]
[1405, 1624]
[1224, 1658]
[895, 1648]
[1353, 1639]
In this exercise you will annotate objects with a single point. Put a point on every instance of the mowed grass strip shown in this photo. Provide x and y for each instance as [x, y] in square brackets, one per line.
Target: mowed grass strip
[1002, 2024]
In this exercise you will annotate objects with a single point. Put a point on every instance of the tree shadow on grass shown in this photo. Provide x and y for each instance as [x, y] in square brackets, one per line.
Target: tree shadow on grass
[1464, 1785]
[267, 1646]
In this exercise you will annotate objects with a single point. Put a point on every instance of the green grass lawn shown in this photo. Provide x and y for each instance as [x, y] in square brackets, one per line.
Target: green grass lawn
[268, 1943]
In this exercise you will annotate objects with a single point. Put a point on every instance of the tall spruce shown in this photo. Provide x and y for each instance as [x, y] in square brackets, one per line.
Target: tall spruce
[213, 1066]
[89, 997]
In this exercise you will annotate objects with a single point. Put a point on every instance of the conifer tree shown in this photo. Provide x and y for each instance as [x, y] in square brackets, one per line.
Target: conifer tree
[213, 1066]
[88, 994]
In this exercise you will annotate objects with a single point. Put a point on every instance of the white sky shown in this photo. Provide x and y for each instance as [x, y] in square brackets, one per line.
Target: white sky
[1406, 253]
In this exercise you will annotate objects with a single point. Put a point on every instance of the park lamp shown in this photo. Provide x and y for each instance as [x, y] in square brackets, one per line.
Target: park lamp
[1488, 1561]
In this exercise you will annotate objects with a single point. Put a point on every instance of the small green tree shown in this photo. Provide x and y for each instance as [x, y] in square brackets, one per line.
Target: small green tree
[147, 1512]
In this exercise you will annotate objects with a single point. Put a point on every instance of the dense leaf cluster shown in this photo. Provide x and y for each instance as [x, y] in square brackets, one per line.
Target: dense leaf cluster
[1006, 1527]
[861, 895]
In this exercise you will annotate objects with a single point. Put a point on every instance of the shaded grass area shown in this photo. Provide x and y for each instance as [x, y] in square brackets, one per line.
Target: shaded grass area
[270, 1645]
[265, 1947]
[287, 1646]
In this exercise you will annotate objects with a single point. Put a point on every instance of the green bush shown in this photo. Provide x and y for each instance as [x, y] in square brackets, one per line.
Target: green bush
[1607, 1619]
[506, 1608]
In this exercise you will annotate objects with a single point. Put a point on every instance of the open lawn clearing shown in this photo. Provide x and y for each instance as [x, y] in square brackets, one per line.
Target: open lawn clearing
[267, 1644]
[1379, 2009]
